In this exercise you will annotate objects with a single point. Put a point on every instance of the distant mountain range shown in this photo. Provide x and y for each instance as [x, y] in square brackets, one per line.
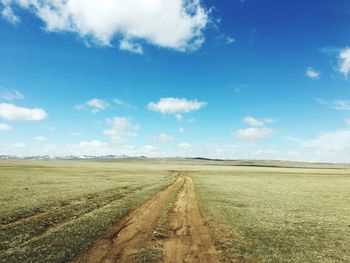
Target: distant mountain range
[67, 157]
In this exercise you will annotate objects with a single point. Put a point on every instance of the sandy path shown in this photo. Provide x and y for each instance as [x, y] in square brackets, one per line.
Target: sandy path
[133, 233]
[189, 239]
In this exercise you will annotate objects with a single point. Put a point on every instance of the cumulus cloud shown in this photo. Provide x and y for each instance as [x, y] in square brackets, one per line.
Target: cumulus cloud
[175, 106]
[344, 62]
[5, 127]
[121, 130]
[254, 133]
[163, 138]
[94, 105]
[312, 73]
[14, 113]
[254, 122]
[176, 24]
[93, 143]
[10, 94]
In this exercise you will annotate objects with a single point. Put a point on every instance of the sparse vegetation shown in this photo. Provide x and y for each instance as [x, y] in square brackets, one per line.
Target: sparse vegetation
[257, 211]
[278, 215]
[67, 205]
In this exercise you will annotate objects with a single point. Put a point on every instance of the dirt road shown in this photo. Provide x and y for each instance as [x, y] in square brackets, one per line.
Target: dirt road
[187, 240]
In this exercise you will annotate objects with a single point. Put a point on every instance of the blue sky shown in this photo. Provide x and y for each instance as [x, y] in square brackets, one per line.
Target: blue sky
[222, 79]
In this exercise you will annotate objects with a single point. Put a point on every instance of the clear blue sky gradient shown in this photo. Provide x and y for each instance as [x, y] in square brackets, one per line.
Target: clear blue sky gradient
[261, 74]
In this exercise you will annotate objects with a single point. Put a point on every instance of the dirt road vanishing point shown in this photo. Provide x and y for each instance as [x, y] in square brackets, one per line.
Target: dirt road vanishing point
[188, 238]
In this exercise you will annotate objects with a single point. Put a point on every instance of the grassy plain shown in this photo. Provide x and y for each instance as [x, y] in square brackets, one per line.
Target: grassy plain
[278, 214]
[50, 211]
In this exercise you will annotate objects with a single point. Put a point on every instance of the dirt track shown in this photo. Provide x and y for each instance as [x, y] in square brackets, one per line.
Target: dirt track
[188, 238]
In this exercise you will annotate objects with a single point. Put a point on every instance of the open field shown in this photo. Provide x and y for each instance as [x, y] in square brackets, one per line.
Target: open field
[168, 210]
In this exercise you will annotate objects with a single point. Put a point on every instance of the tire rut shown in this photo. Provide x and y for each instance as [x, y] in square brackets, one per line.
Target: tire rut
[188, 239]
[125, 240]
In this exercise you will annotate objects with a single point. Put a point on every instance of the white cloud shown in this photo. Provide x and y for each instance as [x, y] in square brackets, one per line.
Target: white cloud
[336, 104]
[312, 73]
[149, 148]
[341, 104]
[95, 105]
[344, 62]
[254, 133]
[10, 94]
[93, 143]
[332, 144]
[182, 129]
[121, 130]
[131, 46]
[15, 113]
[254, 122]
[347, 121]
[40, 138]
[175, 105]
[176, 24]
[19, 145]
[5, 127]
[163, 138]
[185, 146]
[224, 39]
[123, 103]
[8, 14]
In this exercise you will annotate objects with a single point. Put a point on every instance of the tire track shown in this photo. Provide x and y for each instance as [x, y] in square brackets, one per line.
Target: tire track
[189, 239]
[125, 240]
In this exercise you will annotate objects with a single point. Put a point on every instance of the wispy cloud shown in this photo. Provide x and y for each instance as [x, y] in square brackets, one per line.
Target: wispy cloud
[312, 73]
[8, 14]
[40, 138]
[225, 39]
[10, 94]
[254, 133]
[163, 138]
[131, 46]
[337, 142]
[5, 127]
[94, 105]
[255, 122]
[121, 129]
[185, 146]
[335, 104]
[123, 103]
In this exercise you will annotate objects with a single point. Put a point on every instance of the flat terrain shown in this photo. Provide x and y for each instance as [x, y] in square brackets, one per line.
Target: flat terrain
[173, 210]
